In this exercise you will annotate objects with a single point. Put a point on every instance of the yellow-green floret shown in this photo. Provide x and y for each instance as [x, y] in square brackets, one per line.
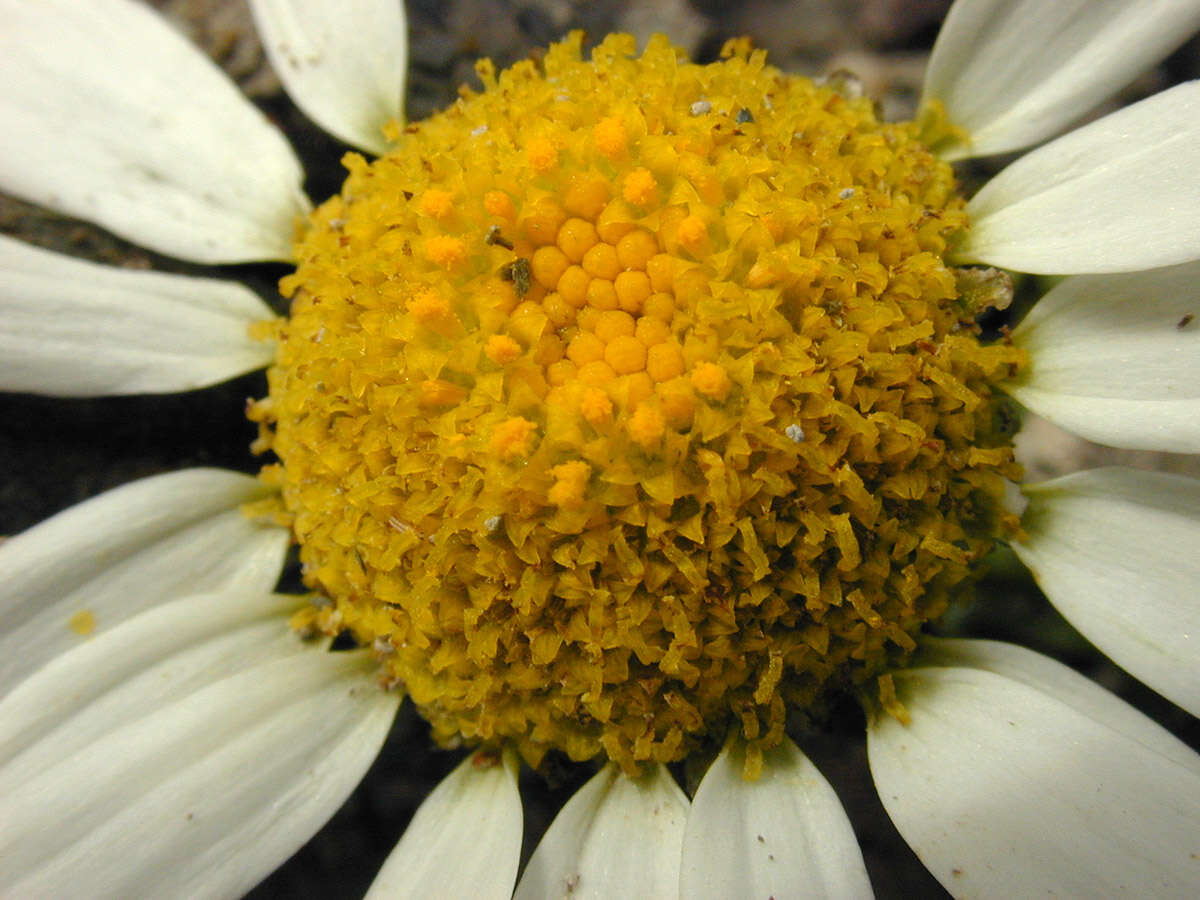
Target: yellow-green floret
[629, 400]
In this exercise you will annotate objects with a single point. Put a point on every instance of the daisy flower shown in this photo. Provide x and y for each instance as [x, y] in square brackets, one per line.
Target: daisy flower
[629, 410]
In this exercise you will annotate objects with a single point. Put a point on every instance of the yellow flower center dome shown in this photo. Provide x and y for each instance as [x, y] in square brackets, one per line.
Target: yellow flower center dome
[630, 400]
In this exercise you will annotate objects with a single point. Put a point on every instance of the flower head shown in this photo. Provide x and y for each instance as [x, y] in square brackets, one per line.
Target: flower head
[573, 304]
[630, 410]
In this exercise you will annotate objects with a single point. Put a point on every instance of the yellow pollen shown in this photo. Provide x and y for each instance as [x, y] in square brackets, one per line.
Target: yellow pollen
[647, 426]
[513, 438]
[436, 203]
[82, 622]
[610, 136]
[612, 424]
[542, 154]
[501, 349]
[595, 406]
[445, 251]
[499, 204]
[640, 188]
[430, 308]
[570, 482]
[711, 380]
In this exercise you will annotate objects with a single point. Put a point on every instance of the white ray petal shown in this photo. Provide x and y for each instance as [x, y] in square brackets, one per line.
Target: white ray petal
[1062, 682]
[73, 328]
[1005, 788]
[465, 839]
[617, 837]
[784, 835]
[92, 566]
[343, 63]
[151, 659]
[1014, 72]
[1115, 550]
[1116, 358]
[111, 116]
[198, 788]
[1117, 195]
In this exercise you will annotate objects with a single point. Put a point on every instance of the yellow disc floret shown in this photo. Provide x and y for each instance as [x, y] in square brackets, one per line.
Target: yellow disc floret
[629, 400]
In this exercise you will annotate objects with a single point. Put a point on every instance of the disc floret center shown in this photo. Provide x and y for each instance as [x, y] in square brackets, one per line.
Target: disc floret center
[630, 400]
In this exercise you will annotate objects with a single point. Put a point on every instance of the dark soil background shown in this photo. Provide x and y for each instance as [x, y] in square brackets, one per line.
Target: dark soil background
[57, 452]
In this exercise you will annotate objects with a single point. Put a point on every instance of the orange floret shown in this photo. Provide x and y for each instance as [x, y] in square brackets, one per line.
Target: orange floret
[651, 331]
[633, 288]
[626, 354]
[548, 265]
[573, 285]
[501, 349]
[445, 251]
[542, 221]
[647, 426]
[576, 237]
[610, 136]
[430, 308]
[584, 348]
[499, 204]
[692, 233]
[664, 361]
[542, 154]
[613, 323]
[602, 294]
[570, 483]
[640, 188]
[659, 306]
[661, 269]
[711, 380]
[636, 249]
[586, 196]
[558, 310]
[437, 203]
[513, 438]
[561, 372]
[600, 261]
[597, 373]
[595, 406]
